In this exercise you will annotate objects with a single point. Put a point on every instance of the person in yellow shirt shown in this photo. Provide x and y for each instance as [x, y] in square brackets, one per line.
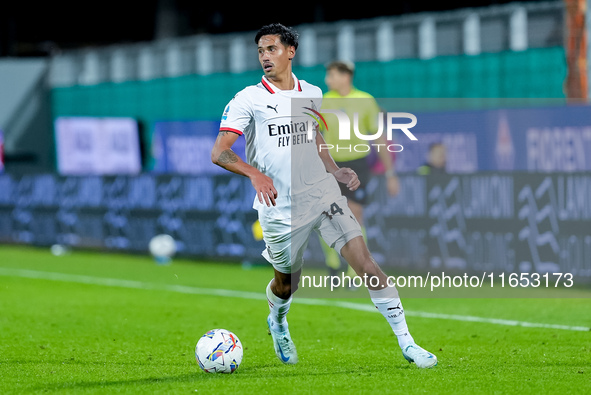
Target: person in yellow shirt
[342, 95]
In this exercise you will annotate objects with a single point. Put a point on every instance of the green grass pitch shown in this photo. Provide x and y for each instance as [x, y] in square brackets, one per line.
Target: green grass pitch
[78, 333]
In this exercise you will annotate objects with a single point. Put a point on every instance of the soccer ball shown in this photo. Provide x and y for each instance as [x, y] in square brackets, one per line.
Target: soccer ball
[219, 351]
[162, 248]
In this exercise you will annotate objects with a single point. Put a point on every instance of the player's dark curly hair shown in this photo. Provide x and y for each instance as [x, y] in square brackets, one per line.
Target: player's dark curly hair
[287, 35]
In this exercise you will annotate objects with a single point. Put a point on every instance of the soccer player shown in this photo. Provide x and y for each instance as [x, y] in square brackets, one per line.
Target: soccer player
[297, 190]
[342, 95]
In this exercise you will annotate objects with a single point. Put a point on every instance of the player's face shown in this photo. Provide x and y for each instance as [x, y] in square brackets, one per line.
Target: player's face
[335, 80]
[275, 57]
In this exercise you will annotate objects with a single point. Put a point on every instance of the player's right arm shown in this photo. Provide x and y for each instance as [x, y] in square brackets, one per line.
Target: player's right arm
[237, 116]
[223, 156]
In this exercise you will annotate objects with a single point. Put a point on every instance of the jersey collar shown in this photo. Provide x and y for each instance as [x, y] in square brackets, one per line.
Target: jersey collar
[351, 92]
[272, 88]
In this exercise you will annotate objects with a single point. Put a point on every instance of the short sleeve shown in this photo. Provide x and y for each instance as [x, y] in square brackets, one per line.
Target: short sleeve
[237, 115]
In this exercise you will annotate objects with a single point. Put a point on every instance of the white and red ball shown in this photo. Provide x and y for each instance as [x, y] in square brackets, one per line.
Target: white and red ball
[219, 351]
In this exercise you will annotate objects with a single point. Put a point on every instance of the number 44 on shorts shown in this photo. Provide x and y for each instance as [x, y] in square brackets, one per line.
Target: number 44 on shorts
[334, 209]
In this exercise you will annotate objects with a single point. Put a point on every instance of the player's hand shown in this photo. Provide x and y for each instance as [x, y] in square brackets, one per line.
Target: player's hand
[265, 189]
[393, 185]
[347, 176]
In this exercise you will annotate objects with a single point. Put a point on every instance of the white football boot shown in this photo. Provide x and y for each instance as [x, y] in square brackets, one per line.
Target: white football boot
[284, 347]
[421, 357]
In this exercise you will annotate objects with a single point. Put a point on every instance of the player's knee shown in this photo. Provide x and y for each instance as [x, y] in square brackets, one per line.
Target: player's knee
[285, 289]
[371, 268]
[286, 284]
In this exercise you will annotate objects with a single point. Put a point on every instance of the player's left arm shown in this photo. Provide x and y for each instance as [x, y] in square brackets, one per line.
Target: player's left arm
[343, 174]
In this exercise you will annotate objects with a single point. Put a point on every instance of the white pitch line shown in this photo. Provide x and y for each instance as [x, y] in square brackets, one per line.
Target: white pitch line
[115, 282]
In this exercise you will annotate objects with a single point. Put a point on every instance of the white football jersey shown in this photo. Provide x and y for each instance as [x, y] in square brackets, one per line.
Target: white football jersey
[276, 129]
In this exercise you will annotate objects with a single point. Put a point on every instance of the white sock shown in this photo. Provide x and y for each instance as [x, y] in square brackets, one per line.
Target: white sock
[278, 308]
[388, 303]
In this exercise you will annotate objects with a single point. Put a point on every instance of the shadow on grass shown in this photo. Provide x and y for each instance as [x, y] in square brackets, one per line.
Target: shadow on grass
[247, 373]
[183, 378]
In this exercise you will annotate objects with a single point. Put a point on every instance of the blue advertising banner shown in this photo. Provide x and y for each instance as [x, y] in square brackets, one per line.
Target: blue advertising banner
[502, 222]
[1, 152]
[536, 139]
[184, 147]
[553, 139]
[207, 216]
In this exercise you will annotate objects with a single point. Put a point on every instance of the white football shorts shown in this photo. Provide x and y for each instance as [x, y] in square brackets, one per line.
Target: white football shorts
[285, 243]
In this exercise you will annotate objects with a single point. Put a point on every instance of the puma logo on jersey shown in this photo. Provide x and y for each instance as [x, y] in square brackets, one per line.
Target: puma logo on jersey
[273, 108]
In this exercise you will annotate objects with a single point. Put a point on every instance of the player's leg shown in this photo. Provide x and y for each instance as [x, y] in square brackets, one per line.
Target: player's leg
[358, 198]
[342, 231]
[285, 249]
[386, 300]
[331, 256]
[285, 285]
[279, 292]
[279, 295]
[357, 210]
